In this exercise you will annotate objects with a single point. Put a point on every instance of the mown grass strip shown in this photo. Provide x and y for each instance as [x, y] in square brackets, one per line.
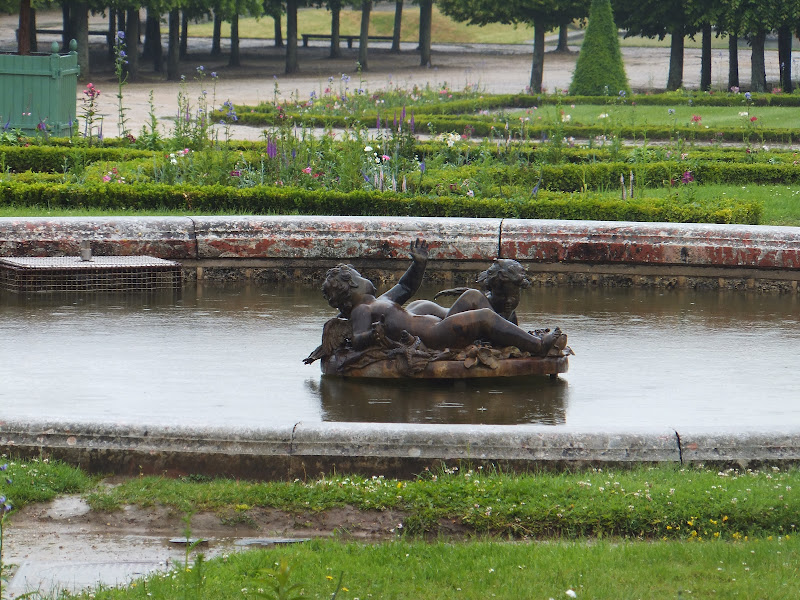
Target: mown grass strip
[645, 502]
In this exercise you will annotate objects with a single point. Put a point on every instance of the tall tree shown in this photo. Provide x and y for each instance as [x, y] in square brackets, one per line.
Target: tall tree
[291, 36]
[398, 25]
[659, 18]
[363, 40]
[425, 32]
[544, 15]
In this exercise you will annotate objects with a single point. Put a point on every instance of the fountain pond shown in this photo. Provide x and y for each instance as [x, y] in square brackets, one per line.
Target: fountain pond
[232, 356]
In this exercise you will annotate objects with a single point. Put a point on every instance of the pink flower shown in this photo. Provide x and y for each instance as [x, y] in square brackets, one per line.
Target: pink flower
[696, 118]
[106, 178]
[307, 170]
[386, 157]
[753, 119]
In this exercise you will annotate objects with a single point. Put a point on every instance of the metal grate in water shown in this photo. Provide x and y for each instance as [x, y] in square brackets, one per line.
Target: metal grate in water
[66, 274]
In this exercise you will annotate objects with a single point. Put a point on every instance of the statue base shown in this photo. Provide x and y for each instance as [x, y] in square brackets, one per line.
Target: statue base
[448, 369]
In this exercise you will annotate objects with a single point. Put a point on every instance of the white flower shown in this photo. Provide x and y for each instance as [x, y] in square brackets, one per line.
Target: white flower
[367, 148]
[744, 114]
[571, 593]
[566, 118]
[603, 116]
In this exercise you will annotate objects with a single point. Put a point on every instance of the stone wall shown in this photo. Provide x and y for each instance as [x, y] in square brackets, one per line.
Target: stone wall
[554, 252]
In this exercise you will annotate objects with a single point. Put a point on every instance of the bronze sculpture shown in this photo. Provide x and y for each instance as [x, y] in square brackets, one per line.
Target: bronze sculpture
[370, 329]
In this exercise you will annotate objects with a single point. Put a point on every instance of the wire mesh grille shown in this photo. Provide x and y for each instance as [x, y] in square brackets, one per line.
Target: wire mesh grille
[67, 274]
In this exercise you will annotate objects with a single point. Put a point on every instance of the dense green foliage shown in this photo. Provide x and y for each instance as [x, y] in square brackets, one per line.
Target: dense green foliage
[600, 68]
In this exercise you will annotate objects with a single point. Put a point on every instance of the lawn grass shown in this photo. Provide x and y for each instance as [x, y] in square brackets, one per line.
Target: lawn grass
[604, 569]
[653, 502]
[710, 117]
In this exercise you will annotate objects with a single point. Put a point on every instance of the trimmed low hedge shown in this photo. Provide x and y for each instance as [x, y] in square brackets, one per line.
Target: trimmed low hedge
[282, 200]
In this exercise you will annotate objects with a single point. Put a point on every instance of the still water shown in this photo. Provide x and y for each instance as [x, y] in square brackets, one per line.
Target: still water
[233, 356]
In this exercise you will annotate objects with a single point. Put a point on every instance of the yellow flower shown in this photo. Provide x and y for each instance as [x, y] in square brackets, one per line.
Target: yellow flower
[329, 577]
[690, 523]
[724, 518]
[344, 589]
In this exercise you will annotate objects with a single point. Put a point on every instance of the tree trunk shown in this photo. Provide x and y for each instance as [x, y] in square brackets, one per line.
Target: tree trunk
[425, 18]
[785, 38]
[398, 25]
[278, 31]
[80, 20]
[24, 31]
[184, 47]
[563, 38]
[216, 37]
[34, 40]
[111, 36]
[705, 59]
[173, 65]
[363, 40]
[758, 71]
[65, 26]
[675, 77]
[291, 36]
[152, 40]
[235, 59]
[733, 61]
[537, 69]
[132, 43]
[336, 21]
[121, 21]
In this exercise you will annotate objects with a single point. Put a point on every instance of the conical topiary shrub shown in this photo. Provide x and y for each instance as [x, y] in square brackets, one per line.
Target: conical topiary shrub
[600, 70]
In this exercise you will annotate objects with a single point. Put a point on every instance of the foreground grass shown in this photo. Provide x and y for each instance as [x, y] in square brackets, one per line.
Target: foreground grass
[659, 502]
[25, 482]
[402, 569]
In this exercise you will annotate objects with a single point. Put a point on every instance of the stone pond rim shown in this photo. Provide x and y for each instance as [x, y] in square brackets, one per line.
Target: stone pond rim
[553, 251]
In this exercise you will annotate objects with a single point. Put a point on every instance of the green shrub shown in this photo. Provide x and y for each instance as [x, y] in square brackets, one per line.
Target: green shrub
[600, 68]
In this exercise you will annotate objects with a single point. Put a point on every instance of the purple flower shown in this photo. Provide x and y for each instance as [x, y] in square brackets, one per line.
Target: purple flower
[236, 173]
[6, 127]
[4, 467]
[747, 95]
[120, 35]
[687, 177]
[272, 148]
[422, 167]
[403, 114]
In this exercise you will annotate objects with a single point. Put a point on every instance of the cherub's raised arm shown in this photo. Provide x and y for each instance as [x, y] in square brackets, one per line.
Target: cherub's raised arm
[411, 280]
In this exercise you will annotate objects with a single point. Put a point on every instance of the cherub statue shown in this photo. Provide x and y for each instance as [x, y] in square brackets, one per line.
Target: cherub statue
[470, 319]
[501, 285]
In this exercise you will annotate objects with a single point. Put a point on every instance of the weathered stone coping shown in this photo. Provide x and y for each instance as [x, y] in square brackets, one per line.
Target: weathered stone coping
[309, 449]
[544, 246]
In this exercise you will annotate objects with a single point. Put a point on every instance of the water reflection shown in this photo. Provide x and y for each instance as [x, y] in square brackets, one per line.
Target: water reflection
[498, 402]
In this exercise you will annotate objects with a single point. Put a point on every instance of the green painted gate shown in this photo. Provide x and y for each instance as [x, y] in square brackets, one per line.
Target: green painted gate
[38, 91]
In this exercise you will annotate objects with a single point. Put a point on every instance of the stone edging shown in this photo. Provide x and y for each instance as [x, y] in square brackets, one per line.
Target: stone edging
[553, 251]
[311, 449]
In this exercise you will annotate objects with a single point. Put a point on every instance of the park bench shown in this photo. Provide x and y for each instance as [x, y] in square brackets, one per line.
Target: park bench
[349, 38]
